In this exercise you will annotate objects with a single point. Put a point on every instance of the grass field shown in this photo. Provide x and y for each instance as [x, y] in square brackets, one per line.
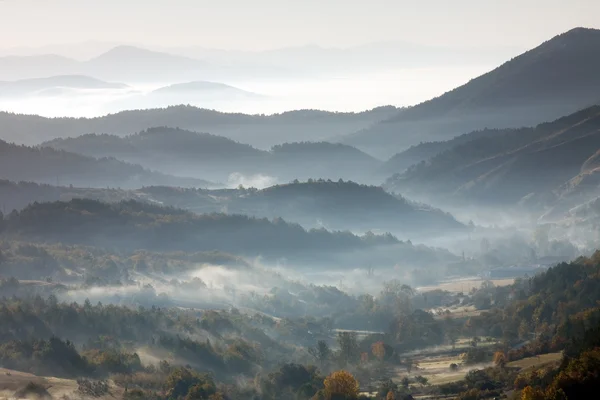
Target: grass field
[536, 361]
[11, 381]
[464, 285]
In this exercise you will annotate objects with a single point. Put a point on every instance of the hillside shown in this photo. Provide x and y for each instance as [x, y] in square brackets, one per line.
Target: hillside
[346, 206]
[183, 152]
[512, 164]
[262, 131]
[426, 150]
[47, 165]
[556, 78]
[133, 225]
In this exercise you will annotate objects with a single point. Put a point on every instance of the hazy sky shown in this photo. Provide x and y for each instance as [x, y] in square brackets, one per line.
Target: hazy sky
[263, 24]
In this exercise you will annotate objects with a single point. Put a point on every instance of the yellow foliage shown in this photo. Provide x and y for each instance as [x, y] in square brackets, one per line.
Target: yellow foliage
[530, 393]
[378, 350]
[341, 384]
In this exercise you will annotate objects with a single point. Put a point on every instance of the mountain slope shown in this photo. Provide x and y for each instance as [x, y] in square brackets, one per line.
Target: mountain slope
[261, 131]
[556, 78]
[513, 164]
[47, 165]
[171, 150]
[178, 151]
[346, 206]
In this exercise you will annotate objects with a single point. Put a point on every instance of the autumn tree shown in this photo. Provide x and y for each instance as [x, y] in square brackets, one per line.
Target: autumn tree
[378, 350]
[500, 359]
[341, 385]
[530, 393]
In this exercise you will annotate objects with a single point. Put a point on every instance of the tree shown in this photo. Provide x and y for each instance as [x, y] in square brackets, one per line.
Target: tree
[378, 350]
[390, 396]
[341, 385]
[405, 382]
[500, 359]
[421, 380]
[530, 393]
[348, 347]
[322, 353]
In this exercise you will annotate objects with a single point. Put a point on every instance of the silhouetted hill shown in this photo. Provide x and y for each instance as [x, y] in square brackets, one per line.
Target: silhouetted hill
[556, 78]
[47, 165]
[201, 87]
[512, 164]
[134, 64]
[261, 131]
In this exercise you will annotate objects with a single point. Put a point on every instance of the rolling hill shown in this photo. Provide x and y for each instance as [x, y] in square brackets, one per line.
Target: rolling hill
[346, 206]
[47, 165]
[178, 151]
[556, 78]
[315, 204]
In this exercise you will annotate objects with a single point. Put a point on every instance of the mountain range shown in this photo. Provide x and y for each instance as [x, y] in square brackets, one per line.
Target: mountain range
[262, 131]
[154, 63]
[556, 78]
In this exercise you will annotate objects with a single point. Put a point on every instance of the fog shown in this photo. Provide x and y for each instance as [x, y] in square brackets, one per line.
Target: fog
[352, 92]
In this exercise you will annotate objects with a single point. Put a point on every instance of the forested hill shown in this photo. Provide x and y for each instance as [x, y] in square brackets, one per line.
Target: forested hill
[346, 205]
[337, 205]
[556, 78]
[202, 155]
[133, 225]
[47, 165]
[261, 131]
[511, 164]
[154, 141]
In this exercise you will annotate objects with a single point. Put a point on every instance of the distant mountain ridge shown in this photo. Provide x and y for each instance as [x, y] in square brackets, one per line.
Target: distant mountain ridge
[263, 131]
[33, 86]
[556, 78]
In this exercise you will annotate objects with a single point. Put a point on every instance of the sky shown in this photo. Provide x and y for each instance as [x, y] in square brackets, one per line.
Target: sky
[268, 24]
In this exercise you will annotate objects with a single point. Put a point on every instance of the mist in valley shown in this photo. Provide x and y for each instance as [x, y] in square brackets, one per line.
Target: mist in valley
[378, 219]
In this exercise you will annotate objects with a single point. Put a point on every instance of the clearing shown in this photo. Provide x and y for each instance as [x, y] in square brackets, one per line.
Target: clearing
[11, 381]
[535, 361]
